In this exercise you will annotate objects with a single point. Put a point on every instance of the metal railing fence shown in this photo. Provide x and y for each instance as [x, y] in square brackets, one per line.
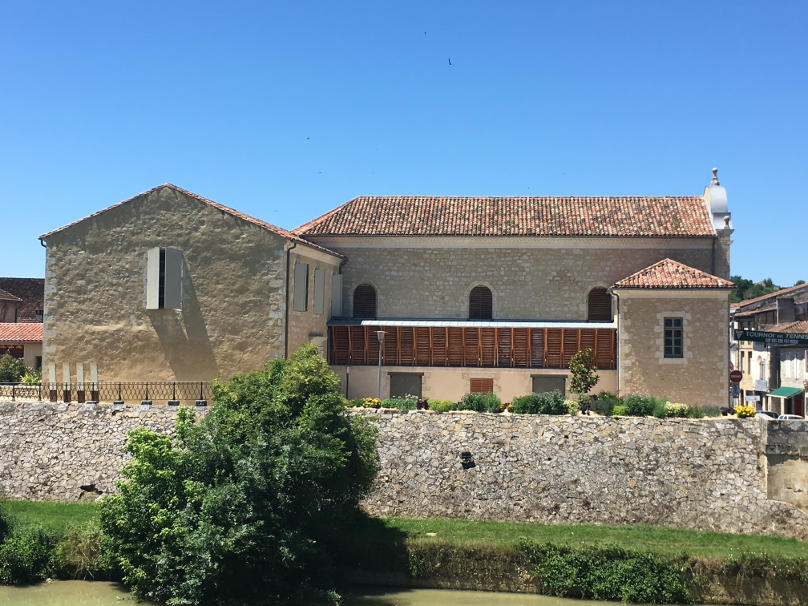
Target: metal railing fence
[133, 392]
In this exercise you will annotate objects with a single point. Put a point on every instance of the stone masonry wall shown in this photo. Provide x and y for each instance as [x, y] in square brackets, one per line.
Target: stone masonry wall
[708, 474]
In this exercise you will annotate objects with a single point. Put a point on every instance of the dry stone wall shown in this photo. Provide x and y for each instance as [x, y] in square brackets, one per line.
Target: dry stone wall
[709, 474]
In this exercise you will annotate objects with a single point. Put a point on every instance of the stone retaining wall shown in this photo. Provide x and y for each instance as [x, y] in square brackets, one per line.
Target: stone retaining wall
[708, 474]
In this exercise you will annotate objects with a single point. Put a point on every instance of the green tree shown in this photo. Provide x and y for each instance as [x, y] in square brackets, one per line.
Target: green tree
[11, 369]
[582, 367]
[746, 289]
[237, 506]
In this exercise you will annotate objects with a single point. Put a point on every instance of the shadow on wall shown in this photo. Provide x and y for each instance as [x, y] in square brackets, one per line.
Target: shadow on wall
[184, 337]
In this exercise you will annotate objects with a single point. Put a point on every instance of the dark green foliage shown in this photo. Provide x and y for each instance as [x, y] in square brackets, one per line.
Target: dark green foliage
[582, 367]
[238, 503]
[746, 289]
[639, 406]
[660, 411]
[619, 411]
[11, 369]
[605, 403]
[604, 573]
[442, 405]
[403, 403]
[26, 556]
[550, 403]
[480, 402]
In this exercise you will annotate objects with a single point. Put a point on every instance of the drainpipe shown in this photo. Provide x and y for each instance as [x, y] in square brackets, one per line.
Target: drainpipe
[286, 312]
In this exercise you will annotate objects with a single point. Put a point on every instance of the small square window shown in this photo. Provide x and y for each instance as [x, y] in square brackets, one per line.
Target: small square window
[673, 338]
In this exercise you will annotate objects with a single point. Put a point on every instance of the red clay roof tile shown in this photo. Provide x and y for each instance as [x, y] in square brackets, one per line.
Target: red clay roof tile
[20, 332]
[671, 274]
[515, 216]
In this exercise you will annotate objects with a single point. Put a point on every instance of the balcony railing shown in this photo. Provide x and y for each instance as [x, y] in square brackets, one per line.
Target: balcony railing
[157, 392]
[503, 347]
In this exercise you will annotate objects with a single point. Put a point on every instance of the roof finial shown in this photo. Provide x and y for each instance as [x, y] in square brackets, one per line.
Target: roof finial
[715, 177]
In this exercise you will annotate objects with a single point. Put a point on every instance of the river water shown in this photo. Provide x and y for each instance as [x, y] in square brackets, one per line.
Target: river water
[85, 593]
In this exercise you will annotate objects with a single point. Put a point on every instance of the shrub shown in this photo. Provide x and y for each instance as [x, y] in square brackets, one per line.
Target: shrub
[582, 368]
[639, 406]
[480, 402]
[676, 409]
[77, 555]
[11, 369]
[605, 403]
[32, 377]
[26, 556]
[239, 503]
[694, 412]
[619, 411]
[711, 410]
[573, 406]
[369, 402]
[442, 405]
[660, 407]
[403, 403]
[604, 573]
[551, 403]
[744, 411]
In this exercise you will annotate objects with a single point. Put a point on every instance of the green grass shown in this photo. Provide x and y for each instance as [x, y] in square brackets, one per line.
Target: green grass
[662, 540]
[55, 516]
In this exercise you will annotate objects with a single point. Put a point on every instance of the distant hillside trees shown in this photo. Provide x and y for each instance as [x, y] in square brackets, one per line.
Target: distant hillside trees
[746, 289]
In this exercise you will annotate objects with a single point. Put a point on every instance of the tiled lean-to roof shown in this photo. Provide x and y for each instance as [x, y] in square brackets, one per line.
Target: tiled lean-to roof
[20, 332]
[7, 296]
[674, 275]
[798, 326]
[225, 209]
[630, 216]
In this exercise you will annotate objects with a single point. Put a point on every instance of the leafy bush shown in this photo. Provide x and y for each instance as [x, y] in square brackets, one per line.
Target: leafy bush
[551, 403]
[238, 503]
[619, 411]
[744, 412]
[573, 406]
[676, 409]
[695, 412]
[26, 556]
[11, 369]
[660, 407]
[639, 406]
[711, 410]
[403, 403]
[77, 555]
[582, 368]
[369, 402]
[32, 377]
[442, 405]
[480, 402]
[605, 403]
[604, 573]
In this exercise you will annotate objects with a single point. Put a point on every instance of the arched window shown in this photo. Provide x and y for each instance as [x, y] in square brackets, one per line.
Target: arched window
[480, 303]
[364, 301]
[600, 306]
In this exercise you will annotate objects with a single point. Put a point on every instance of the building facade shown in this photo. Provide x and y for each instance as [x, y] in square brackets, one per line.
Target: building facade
[466, 294]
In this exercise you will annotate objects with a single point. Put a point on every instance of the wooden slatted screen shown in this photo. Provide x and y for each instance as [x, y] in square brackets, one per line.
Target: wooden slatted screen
[600, 305]
[364, 301]
[456, 346]
[480, 303]
[481, 385]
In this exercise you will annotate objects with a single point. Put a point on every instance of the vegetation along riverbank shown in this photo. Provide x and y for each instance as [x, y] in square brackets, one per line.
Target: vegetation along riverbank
[635, 563]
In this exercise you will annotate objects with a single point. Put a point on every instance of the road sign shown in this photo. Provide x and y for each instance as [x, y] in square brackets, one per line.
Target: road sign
[735, 376]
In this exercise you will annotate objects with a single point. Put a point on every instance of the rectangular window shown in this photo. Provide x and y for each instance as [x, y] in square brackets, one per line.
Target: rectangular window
[319, 291]
[405, 384]
[163, 278]
[548, 383]
[481, 386]
[673, 338]
[301, 296]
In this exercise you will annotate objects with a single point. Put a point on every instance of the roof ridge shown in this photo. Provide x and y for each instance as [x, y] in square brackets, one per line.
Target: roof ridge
[698, 278]
[771, 295]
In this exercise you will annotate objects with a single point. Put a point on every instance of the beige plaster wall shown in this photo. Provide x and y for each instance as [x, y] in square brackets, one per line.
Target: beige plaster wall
[233, 293]
[453, 383]
[702, 375]
[30, 352]
[527, 283]
[8, 311]
[307, 326]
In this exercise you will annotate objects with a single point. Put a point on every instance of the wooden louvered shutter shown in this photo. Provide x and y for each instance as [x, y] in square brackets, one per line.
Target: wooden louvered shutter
[480, 303]
[600, 306]
[481, 386]
[364, 301]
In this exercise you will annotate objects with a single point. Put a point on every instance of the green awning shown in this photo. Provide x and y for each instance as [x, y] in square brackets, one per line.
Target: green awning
[785, 392]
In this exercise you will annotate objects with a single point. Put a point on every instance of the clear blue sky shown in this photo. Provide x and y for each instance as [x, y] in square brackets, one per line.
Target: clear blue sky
[285, 110]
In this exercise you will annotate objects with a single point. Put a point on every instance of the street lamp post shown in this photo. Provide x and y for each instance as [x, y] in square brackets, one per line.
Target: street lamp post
[380, 337]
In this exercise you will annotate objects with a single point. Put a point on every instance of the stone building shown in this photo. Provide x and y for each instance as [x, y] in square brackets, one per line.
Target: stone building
[21, 304]
[466, 293]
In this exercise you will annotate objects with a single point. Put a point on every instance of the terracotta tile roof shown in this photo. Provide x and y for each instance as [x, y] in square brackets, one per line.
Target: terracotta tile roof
[773, 295]
[7, 296]
[673, 275]
[516, 216]
[800, 326]
[225, 209]
[20, 332]
[32, 293]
